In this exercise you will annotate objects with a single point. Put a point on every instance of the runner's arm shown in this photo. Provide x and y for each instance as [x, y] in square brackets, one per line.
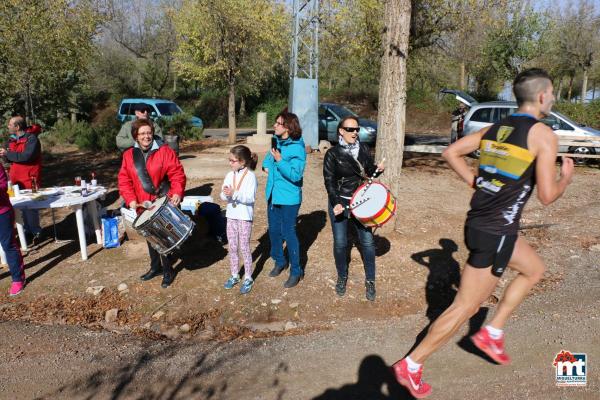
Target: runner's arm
[455, 153]
[544, 144]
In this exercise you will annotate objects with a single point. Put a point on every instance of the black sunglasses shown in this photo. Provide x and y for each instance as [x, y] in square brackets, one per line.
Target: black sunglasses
[351, 129]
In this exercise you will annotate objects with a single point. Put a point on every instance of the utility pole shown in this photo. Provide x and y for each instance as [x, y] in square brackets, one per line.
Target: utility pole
[304, 69]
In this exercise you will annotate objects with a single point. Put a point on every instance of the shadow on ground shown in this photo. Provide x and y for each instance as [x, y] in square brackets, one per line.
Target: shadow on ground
[375, 382]
[154, 374]
[440, 290]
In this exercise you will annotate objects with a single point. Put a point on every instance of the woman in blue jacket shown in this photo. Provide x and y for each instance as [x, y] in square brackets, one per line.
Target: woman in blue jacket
[285, 165]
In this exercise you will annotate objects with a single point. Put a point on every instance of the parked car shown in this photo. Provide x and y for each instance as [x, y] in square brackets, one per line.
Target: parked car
[162, 109]
[484, 114]
[331, 114]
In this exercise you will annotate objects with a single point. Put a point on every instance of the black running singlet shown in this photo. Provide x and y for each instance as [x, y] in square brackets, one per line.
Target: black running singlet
[506, 176]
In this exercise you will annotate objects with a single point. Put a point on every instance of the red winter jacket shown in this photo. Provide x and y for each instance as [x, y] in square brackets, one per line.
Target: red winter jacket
[161, 162]
[25, 154]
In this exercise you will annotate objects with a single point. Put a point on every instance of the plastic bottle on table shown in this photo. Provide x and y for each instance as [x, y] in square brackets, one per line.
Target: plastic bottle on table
[9, 190]
[94, 181]
[34, 186]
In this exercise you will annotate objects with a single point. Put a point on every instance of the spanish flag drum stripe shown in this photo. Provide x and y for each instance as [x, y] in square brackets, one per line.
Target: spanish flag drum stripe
[382, 216]
[507, 159]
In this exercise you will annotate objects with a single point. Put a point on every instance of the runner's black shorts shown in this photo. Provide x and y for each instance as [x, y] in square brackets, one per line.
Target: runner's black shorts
[487, 249]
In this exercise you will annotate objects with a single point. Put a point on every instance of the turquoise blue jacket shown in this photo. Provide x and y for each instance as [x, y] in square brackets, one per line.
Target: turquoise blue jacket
[284, 184]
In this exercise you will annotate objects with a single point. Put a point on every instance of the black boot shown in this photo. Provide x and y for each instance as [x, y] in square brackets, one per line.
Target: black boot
[155, 264]
[340, 286]
[277, 270]
[293, 280]
[370, 286]
[168, 273]
[152, 273]
[168, 278]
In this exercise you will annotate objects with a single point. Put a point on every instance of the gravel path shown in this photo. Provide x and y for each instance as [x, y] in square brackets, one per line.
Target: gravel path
[346, 362]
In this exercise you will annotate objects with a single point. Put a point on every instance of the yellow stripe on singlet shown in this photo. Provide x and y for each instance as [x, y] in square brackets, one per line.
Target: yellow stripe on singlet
[504, 158]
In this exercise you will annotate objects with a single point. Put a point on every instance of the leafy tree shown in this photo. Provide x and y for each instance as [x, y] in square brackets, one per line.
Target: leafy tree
[145, 31]
[230, 44]
[46, 45]
[579, 39]
[509, 46]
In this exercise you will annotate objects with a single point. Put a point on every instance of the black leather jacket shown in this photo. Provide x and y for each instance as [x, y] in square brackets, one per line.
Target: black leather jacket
[342, 173]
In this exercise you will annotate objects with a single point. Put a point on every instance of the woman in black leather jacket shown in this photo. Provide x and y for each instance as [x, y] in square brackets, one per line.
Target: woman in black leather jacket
[345, 168]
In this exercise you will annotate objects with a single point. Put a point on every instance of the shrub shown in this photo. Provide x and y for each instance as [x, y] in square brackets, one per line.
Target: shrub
[66, 132]
[99, 136]
[271, 107]
[180, 125]
[586, 114]
[212, 108]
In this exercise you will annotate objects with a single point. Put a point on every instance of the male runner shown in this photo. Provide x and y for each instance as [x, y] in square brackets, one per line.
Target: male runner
[515, 153]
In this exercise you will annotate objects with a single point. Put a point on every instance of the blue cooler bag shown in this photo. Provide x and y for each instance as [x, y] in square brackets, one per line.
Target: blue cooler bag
[110, 232]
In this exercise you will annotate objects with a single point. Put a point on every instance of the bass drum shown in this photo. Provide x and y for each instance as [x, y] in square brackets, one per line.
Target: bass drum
[373, 204]
[164, 226]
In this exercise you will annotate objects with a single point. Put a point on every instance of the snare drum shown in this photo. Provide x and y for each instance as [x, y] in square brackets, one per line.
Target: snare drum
[164, 226]
[373, 204]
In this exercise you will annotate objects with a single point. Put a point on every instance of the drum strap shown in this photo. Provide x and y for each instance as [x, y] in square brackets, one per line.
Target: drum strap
[140, 166]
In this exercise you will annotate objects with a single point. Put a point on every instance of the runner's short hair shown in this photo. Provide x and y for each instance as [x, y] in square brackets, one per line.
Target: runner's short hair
[529, 83]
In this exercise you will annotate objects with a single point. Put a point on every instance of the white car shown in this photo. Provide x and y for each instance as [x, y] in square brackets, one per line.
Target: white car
[484, 114]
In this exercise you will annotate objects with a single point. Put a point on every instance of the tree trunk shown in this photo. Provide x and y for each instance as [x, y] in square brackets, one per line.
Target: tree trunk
[462, 75]
[570, 92]
[584, 86]
[231, 114]
[392, 92]
[242, 107]
[560, 88]
[174, 84]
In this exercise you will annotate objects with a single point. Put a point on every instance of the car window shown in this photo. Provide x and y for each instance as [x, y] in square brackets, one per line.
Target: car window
[553, 122]
[501, 113]
[342, 112]
[168, 108]
[550, 120]
[127, 109]
[322, 112]
[482, 115]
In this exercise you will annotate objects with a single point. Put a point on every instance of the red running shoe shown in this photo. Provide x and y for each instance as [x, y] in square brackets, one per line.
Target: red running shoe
[411, 381]
[492, 347]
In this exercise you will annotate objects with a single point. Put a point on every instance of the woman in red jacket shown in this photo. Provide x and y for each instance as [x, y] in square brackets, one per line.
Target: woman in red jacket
[149, 170]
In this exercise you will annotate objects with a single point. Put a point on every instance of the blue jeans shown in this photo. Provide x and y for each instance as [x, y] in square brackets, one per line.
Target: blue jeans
[282, 226]
[339, 226]
[8, 241]
[31, 221]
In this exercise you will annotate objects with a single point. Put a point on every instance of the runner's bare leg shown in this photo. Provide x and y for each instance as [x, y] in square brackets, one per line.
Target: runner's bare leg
[476, 285]
[531, 269]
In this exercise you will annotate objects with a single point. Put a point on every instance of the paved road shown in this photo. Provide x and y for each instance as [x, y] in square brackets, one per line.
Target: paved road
[221, 133]
[410, 139]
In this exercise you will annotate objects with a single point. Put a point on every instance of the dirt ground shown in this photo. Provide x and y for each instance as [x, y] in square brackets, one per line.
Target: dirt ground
[417, 274]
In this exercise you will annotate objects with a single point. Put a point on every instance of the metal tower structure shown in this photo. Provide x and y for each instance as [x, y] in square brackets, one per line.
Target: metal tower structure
[304, 62]
[304, 69]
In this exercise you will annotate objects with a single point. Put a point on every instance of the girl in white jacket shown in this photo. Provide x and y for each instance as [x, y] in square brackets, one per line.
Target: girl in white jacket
[239, 190]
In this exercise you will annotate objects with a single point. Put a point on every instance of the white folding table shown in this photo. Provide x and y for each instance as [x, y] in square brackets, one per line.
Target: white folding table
[61, 197]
